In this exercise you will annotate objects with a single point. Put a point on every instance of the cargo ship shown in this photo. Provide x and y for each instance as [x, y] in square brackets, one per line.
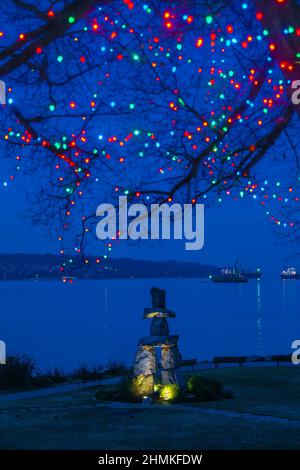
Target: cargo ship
[236, 274]
[289, 273]
[229, 275]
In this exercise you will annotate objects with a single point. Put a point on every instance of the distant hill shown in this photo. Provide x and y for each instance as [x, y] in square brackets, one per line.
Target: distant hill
[49, 266]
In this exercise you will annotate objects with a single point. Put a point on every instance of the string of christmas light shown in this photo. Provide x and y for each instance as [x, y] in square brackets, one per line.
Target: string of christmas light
[195, 99]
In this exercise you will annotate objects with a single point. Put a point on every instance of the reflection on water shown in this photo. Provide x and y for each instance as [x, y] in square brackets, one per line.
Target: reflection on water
[106, 324]
[259, 320]
[98, 321]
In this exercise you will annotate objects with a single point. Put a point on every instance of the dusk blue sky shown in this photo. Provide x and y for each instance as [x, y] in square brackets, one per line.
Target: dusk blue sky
[232, 229]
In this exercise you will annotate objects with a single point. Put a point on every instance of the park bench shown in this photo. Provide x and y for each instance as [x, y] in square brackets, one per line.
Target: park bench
[240, 360]
[188, 363]
[281, 358]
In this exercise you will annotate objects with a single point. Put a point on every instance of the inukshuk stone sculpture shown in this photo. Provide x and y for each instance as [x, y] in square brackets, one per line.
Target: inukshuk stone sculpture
[158, 357]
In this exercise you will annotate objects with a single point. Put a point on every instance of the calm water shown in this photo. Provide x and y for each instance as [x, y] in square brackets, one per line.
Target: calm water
[98, 321]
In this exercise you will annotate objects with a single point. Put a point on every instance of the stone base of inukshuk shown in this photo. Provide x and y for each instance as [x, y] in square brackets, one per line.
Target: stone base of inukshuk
[144, 370]
[170, 357]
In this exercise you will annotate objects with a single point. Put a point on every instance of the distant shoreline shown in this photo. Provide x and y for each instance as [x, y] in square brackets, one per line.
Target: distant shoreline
[130, 278]
[54, 267]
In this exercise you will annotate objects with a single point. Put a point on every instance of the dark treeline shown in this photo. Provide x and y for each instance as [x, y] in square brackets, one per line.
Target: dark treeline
[49, 266]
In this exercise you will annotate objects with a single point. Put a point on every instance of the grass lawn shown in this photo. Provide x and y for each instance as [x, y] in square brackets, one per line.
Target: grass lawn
[74, 421]
[272, 391]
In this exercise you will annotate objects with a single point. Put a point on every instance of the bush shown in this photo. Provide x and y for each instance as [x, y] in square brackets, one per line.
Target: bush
[18, 373]
[114, 368]
[205, 389]
[169, 392]
[84, 373]
[41, 381]
[157, 387]
[124, 391]
[228, 393]
[57, 376]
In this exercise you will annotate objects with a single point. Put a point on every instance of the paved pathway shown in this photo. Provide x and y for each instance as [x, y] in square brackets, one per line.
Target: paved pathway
[78, 385]
[42, 392]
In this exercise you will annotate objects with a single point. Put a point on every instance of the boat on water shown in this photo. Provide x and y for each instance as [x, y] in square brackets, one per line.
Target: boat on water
[236, 274]
[289, 273]
[229, 275]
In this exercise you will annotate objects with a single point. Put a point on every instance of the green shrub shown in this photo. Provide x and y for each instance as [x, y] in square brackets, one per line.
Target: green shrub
[114, 368]
[18, 373]
[228, 393]
[41, 381]
[123, 391]
[84, 373]
[157, 387]
[57, 375]
[204, 389]
[169, 392]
